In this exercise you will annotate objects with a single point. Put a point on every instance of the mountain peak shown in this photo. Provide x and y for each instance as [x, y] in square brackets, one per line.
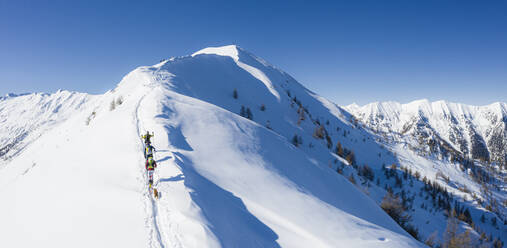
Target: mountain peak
[245, 60]
[229, 50]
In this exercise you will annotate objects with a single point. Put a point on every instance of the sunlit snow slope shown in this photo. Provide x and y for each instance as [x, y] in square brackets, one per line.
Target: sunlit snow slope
[225, 180]
[23, 118]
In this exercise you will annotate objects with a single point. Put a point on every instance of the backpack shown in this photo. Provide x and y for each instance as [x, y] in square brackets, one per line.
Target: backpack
[149, 151]
[151, 164]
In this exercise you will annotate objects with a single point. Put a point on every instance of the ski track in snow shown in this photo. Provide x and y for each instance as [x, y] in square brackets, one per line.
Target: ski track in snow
[171, 234]
[162, 227]
[151, 220]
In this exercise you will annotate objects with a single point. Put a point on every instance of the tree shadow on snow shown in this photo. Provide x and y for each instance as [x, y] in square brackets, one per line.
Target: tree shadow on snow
[228, 218]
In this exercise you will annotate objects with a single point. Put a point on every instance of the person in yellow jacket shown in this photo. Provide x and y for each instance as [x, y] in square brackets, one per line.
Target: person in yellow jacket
[146, 137]
[148, 151]
[148, 148]
[150, 169]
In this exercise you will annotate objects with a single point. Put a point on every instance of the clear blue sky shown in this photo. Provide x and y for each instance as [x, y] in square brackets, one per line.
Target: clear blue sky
[350, 51]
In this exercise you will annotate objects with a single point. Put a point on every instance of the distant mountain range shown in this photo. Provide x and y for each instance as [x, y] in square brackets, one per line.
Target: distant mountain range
[453, 129]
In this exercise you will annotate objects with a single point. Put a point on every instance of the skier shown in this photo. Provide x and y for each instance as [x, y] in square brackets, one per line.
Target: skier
[147, 138]
[150, 169]
[148, 151]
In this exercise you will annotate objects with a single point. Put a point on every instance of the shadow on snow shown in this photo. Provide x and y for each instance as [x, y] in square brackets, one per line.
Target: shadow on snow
[229, 219]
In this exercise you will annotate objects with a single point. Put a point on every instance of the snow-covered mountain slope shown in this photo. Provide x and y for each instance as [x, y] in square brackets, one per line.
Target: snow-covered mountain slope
[268, 180]
[25, 117]
[478, 132]
[462, 148]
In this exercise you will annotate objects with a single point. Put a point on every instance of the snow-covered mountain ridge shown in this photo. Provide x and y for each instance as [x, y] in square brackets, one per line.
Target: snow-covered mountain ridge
[247, 157]
[24, 117]
[477, 132]
[225, 180]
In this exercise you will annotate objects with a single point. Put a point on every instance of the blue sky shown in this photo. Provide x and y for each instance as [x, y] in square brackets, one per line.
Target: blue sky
[348, 51]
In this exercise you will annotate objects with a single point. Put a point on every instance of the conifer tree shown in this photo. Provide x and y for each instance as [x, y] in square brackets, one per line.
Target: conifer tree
[392, 205]
[119, 101]
[329, 142]
[319, 132]
[451, 237]
[339, 149]
[242, 112]
[352, 179]
[295, 140]
[351, 158]
[112, 106]
[249, 114]
[268, 124]
[301, 113]
[431, 240]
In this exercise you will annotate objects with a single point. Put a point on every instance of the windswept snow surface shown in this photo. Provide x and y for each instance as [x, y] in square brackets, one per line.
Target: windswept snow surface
[238, 55]
[225, 181]
[77, 185]
[24, 117]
